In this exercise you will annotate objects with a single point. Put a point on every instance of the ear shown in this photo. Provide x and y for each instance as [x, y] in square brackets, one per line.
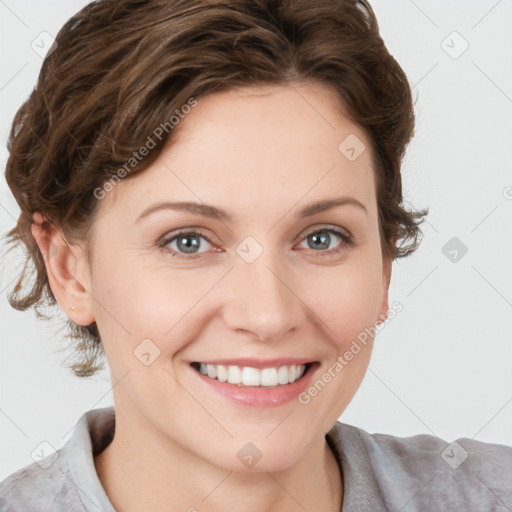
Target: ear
[386, 279]
[67, 269]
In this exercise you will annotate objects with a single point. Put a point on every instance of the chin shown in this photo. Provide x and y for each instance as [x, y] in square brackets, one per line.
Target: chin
[258, 457]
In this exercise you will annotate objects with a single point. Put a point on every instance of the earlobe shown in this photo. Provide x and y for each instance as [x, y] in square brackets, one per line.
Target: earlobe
[67, 271]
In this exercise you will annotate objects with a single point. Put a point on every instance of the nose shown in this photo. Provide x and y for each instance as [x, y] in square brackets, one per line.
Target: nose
[259, 299]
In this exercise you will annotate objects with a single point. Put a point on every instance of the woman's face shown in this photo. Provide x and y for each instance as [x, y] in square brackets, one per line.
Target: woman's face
[263, 281]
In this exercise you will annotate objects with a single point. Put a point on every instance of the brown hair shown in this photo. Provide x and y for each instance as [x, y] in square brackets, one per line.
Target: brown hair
[122, 68]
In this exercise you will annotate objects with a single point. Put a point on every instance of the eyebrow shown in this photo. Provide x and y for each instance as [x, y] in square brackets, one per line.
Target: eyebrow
[213, 212]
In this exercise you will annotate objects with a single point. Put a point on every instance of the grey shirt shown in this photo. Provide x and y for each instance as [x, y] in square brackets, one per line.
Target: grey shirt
[380, 473]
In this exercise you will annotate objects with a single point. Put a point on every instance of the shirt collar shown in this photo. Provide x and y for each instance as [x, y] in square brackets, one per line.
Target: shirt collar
[95, 430]
[360, 491]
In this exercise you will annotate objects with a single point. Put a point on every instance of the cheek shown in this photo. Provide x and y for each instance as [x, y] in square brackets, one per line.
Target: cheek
[347, 301]
[133, 303]
[348, 305]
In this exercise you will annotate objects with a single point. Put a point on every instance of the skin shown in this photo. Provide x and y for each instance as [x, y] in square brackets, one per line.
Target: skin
[262, 153]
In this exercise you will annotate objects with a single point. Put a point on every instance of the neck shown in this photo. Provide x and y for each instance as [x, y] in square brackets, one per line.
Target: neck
[143, 473]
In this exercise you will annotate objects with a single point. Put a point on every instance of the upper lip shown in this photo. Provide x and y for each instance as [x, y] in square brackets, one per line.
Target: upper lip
[259, 363]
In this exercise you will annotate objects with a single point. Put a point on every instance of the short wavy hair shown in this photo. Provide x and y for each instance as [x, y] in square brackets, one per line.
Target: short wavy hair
[120, 68]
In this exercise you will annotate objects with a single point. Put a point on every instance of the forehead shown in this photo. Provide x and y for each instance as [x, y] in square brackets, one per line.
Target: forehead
[246, 146]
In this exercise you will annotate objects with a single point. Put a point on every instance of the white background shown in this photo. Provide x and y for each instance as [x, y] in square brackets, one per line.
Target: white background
[443, 366]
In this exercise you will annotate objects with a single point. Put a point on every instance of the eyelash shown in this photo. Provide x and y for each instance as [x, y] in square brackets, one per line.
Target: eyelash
[347, 241]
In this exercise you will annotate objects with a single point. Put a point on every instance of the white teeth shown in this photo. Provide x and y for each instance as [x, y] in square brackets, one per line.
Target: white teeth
[234, 375]
[282, 375]
[269, 377]
[248, 376]
[222, 373]
[212, 372]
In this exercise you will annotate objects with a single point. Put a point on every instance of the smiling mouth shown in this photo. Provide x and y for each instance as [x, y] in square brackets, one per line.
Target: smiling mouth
[248, 376]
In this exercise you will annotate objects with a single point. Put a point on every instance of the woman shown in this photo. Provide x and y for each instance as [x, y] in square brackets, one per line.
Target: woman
[211, 191]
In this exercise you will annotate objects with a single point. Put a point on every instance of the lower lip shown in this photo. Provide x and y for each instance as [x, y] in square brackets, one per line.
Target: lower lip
[260, 396]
